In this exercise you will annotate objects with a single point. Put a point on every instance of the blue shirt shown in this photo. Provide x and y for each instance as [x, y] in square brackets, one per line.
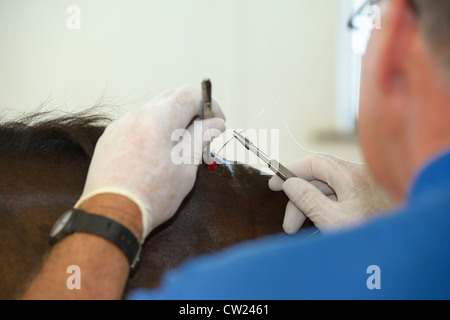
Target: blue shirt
[404, 255]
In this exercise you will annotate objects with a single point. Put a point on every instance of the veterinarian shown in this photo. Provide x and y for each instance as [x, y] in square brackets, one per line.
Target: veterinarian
[366, 251]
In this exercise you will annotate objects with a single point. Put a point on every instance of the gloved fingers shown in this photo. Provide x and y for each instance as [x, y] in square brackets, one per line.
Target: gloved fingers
[302, 168]
[323, 187]
[185, 104]
[318, 166]
[333, 171]
[293, 219]
[339, 174]
[276, 184]
[333, 197]
[189, 148]
[307, 198]
[217, 110]
[212, 128]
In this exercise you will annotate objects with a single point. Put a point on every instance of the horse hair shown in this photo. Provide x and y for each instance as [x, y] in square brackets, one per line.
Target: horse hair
[44, 135]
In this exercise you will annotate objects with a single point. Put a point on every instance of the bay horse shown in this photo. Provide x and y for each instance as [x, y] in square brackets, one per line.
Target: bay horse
[43, 167]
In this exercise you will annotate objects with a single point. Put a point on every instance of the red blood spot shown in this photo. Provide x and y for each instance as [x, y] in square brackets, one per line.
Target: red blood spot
[212, 167]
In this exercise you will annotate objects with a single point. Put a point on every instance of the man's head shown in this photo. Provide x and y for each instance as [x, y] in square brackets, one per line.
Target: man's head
[405, 91]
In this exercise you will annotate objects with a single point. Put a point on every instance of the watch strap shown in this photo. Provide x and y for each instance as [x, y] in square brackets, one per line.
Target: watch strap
[110, 230]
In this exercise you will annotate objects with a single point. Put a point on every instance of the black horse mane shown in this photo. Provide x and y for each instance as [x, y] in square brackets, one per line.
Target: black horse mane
[46, 135]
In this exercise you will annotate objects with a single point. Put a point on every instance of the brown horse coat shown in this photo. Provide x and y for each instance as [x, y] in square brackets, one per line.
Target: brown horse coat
[43, 166]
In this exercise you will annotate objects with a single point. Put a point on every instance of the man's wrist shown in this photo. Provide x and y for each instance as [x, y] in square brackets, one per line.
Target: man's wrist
[116, 207]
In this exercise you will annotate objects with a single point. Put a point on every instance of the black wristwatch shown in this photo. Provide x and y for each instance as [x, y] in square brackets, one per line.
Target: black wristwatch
[75, 220]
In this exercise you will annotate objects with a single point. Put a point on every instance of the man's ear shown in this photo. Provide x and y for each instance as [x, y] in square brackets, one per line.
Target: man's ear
[398, 28]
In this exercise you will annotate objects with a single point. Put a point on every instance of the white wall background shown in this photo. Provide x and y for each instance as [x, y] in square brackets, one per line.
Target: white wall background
[128, 51]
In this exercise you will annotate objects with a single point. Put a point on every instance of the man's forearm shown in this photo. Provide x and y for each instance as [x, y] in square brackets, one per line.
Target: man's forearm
[103, 267]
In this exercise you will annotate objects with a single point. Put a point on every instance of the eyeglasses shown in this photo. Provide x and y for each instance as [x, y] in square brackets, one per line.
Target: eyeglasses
[366, 13]
[364, 20]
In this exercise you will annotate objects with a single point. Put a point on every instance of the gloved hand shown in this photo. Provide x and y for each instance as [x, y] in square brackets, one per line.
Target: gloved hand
[135, 155]
[334, 194]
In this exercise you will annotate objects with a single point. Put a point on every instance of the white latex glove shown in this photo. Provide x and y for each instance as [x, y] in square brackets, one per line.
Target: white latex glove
[334, 194]
[134, 156]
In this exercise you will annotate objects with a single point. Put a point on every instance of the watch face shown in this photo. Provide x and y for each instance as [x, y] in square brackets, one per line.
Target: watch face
[60, 223]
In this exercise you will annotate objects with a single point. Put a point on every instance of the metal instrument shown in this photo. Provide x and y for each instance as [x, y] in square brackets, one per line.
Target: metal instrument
[274, 165]
[207, 114]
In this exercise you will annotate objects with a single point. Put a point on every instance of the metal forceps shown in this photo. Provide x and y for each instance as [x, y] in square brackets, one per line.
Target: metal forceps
[274, 165]
[207, 114]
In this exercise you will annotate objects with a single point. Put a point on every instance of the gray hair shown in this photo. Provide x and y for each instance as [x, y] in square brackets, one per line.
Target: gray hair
[434, 21]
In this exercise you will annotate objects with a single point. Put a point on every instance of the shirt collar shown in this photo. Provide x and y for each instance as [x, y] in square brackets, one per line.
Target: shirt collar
[435, 175]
